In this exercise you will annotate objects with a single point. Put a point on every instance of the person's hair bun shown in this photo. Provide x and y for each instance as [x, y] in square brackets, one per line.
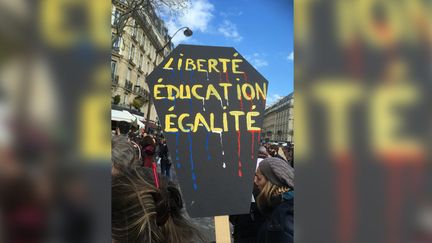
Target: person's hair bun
[168, 203]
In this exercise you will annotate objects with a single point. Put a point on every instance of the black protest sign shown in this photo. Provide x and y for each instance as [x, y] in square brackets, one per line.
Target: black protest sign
[210, 102]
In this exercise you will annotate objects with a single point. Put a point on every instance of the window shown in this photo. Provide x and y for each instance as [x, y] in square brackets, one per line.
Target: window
[143, 40]
[128, 76]
[139, 36]
[132, 26]
[115, 15]
[136, 56]
[138, 80]
[113, 68]
[135, 30]
[132, 52]
[117, 43]
[140, 60]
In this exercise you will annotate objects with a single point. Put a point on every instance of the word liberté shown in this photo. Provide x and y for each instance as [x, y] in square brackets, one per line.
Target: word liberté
[187, 122]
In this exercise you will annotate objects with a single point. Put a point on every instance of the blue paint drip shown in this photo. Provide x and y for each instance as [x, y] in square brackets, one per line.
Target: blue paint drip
[194, 177]
[173, 77]
[192, 162]
[191, 154]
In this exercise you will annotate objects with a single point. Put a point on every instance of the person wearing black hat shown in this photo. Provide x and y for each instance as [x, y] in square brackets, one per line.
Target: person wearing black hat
[275, 181]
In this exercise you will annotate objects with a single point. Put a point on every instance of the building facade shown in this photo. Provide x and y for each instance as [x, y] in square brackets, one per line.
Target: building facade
[278, 122]
[134, 56]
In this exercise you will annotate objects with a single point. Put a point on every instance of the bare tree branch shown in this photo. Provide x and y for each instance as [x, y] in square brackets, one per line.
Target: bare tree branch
[133, 8]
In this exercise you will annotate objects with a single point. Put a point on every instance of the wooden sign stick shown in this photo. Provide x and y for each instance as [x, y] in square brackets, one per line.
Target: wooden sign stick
[222, 229]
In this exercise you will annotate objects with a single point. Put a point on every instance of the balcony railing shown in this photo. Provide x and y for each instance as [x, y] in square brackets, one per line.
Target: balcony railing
[128, 86]
[132, 61]
[116, 47]
[138, 90]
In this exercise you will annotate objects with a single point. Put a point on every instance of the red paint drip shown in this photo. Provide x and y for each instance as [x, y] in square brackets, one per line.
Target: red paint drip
[394, 193]
[240, 173]
[238, 144]
[155, 175]
[346, 201]
[241, 99]
[253, 140]
[245, 76]
[226, 76]
[252, 132]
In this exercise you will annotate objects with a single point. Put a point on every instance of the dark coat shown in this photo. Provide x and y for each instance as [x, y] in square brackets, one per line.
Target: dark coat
[246, 226]
[163, 154]
[279, 225]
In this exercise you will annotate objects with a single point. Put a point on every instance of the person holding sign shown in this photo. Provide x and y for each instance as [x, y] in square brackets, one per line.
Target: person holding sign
[275, 180]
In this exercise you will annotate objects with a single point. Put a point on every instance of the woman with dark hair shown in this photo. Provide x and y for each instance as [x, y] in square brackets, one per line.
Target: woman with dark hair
[142, 212]
[275, 181]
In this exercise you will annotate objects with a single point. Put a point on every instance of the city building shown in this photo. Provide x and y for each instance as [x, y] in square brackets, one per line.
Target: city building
[134, 56]
[278, 121]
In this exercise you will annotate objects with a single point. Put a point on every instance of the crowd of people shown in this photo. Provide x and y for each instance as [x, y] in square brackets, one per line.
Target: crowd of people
[149, 150]
[147, 205]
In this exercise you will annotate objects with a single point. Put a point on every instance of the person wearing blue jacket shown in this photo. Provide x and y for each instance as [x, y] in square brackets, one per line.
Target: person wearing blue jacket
[275, 181]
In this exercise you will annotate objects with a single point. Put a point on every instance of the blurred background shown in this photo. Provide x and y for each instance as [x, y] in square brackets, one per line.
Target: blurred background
[362, 121]
[362, 134]
[54, 121]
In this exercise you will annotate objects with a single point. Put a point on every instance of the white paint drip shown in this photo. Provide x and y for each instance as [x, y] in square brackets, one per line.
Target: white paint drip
[207, 75]
[203, 100]
[221, 142]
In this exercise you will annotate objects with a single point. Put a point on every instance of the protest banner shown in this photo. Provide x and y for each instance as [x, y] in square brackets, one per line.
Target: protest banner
[210, 102]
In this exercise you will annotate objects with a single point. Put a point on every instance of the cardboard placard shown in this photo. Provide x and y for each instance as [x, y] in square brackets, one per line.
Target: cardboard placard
[210, 102]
